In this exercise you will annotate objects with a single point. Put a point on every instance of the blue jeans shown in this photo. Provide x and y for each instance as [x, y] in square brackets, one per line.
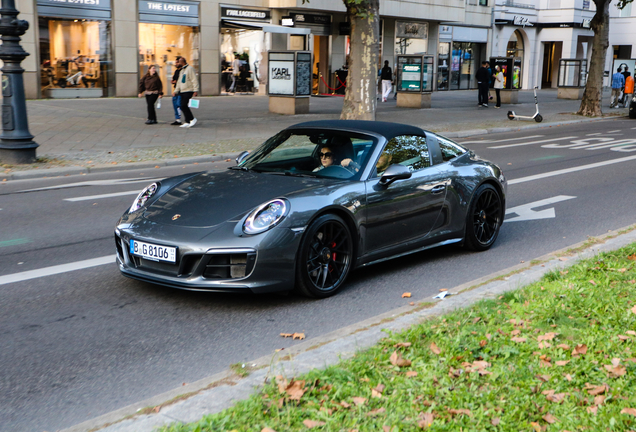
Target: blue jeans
[176, 103]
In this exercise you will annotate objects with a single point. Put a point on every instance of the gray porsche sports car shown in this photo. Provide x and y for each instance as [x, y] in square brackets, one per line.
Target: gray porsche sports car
[310, 205]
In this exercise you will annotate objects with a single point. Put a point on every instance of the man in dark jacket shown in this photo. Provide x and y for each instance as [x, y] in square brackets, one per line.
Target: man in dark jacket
[483, 78]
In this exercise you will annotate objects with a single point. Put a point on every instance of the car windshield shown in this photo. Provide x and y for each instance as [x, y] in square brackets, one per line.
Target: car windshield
[329, 154]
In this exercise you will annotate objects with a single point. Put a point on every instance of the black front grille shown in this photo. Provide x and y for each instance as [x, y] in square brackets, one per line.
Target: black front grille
[229, 266]
[120, 251]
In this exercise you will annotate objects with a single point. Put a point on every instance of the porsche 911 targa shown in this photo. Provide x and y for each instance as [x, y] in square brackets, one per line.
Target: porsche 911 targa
[311, 204]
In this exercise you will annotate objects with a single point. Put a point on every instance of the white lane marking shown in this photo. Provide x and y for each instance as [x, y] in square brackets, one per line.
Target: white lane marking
[594, 134]
[53, 270]
[502, 140]
[570, 170]
[524, 212]
[113, 182]
[534, 142]
[614, 131]
[109, 195]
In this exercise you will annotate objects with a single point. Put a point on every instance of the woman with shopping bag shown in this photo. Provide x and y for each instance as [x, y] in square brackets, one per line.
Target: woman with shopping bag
[188, 87]
[151, 86]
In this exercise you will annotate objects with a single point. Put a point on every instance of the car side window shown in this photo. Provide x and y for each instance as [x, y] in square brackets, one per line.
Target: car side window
[408, 150]
[450, 150]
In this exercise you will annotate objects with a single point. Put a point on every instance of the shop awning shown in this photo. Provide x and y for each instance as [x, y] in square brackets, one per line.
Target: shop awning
[266, 27]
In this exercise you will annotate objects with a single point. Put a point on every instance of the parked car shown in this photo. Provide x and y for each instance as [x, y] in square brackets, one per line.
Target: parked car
[310, 205]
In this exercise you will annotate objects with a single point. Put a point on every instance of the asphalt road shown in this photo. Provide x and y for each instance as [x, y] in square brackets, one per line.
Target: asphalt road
[81, 343]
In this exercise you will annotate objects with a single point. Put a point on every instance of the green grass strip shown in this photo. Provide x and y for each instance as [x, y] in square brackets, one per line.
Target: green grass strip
[558, 355]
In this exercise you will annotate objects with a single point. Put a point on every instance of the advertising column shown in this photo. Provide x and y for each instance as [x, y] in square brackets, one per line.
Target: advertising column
[289, 77]
[168, 29]
[411, 81]
[75, 60]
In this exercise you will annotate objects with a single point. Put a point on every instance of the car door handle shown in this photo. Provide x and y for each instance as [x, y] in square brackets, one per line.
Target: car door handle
[438, 189]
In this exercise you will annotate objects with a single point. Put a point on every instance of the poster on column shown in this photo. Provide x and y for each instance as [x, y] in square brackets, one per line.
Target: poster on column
[281, 77]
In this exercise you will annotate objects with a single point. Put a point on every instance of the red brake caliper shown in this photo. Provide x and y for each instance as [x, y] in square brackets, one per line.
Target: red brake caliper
[333, 255]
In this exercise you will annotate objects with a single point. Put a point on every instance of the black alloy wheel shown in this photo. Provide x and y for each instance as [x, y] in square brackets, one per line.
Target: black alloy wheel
[325, 257]
[484, 218]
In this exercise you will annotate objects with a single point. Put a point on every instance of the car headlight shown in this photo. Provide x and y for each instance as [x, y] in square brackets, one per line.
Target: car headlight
[265, 216]
[143, 197]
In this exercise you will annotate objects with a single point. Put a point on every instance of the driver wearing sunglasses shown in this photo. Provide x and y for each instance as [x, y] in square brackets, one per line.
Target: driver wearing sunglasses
[328, 158]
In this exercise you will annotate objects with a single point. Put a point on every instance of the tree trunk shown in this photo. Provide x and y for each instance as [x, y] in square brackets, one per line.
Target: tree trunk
[360, 94]
[591, 102]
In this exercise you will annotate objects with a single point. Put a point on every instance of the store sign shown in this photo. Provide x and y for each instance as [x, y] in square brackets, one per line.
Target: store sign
[281, 77]
[242, 13]
[411, 30]
[587, 23]
[287, 22]
[188, 9]
[75, 3]
[311, 18]
[521, 21]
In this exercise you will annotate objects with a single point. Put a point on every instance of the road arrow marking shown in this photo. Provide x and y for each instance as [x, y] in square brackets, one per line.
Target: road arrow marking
[533, 142]
[525, 212]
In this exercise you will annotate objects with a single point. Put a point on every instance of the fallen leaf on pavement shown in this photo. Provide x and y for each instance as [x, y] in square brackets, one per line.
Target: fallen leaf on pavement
[630, 411]
[286, 335]
[406, 295]
[300, 336]
[434, 348]
[313, 423]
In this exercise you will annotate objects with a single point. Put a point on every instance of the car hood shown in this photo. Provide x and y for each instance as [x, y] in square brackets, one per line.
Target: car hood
[210, 199]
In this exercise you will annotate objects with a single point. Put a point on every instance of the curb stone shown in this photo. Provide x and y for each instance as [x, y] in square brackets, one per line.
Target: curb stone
[102, 168]
[221, 391]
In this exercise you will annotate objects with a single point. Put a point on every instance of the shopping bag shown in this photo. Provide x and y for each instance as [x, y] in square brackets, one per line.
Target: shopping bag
[158, 103]
[193, 103]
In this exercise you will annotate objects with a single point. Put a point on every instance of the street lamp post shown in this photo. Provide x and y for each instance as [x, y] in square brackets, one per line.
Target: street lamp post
[16, 142]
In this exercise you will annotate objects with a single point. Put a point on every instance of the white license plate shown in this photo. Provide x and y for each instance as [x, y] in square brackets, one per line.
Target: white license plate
[153, 252]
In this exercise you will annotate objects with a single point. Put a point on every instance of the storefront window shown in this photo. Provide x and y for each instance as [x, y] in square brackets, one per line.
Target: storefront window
[443, 58]
[74, 54]
[160, 44]
[515, 45]
[464, 64]
[244, 49]
[411, 38]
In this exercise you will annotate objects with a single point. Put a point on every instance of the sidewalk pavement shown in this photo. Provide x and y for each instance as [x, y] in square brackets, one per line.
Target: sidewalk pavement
[90, 135]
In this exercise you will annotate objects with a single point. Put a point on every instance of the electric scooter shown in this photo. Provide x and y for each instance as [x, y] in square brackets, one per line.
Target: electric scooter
[536, 117]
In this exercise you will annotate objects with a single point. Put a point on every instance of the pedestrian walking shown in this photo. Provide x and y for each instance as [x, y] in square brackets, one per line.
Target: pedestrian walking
[498, 85]
[626, 74]
[176, 98]
[188, 87]
[236, 72]
[628, 94]
[151, 87]
[482, 84]
[387, 79]
[618, 82]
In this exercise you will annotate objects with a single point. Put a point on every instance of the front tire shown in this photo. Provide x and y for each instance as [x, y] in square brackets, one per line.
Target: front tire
[484, 218]
[325, 257]
[538, 118]
[511, 115]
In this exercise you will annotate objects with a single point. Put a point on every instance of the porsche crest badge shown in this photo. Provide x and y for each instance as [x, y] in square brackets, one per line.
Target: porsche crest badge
[175, 217]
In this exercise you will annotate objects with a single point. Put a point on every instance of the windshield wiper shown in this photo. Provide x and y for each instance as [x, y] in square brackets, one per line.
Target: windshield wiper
[240, 168]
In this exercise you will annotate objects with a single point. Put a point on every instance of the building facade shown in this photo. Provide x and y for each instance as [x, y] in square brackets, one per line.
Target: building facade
[100, 48]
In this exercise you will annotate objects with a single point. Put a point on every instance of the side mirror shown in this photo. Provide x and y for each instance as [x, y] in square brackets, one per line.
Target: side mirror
[241, 157]
[393, 173]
